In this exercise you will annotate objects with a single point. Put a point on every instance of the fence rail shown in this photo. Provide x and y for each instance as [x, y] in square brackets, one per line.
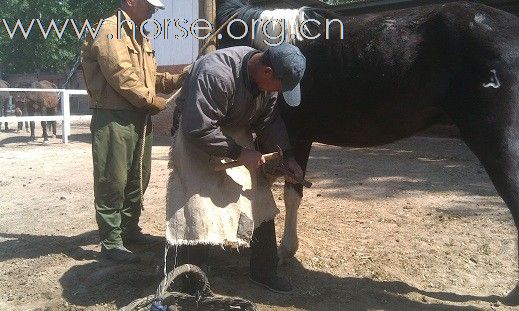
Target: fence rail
[65, 116]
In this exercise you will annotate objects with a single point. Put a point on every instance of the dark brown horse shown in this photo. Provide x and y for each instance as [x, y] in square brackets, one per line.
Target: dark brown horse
[396, 73]
[20, 104]
[4, 102]
[45, 104]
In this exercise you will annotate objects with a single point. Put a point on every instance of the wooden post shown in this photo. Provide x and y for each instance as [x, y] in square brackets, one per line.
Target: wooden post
[207, 11]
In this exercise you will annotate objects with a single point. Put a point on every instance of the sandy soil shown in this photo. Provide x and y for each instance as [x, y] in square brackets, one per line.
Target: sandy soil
[414, 225]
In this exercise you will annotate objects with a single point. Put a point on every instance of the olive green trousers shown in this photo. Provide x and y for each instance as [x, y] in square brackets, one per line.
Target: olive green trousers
[116, 152]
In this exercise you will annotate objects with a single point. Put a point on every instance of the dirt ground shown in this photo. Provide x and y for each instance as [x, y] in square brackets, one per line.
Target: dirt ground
[415, 225]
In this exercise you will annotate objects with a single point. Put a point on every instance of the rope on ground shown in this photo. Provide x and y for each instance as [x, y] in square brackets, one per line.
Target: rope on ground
[196, 295]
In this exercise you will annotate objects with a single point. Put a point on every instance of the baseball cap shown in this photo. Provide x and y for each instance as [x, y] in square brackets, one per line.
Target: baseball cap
[156, 3]
[289, 64]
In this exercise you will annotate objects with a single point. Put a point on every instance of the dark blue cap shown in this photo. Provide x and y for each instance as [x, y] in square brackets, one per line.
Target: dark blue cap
[288, 64]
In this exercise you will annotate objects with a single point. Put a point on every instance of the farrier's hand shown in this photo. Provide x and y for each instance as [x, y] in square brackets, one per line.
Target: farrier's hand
[295, 169]
[252, 159]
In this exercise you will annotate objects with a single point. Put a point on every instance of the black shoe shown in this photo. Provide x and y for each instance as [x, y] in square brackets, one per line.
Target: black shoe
[119, 254]
[274, 283]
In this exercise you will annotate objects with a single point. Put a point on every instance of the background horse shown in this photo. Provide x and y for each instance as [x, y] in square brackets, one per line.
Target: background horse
[20, 105]
[394, 74]
[45, 104]
[4, 102]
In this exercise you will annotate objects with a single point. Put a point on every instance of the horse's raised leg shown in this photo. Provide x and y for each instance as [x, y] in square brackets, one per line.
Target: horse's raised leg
[292, 196]
[486, 115]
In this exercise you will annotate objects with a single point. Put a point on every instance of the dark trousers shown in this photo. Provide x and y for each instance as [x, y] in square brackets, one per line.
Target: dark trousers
[263, 258]
[116, 153]
[264, 255]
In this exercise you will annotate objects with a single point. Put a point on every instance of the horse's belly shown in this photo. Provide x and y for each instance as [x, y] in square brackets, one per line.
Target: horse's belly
[362, 130]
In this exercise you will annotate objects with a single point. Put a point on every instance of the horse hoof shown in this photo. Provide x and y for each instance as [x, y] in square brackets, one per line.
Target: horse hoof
[32, 138]
[53, 135]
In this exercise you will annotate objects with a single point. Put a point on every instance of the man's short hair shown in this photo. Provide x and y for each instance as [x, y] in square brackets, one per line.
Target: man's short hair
[266, 61]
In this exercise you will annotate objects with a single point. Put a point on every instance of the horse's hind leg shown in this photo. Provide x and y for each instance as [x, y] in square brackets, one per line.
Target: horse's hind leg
[30, 111]
[487, 118]
[26, 112]
[54, 111]
[45, 134]
[6, 124]
[44, 126]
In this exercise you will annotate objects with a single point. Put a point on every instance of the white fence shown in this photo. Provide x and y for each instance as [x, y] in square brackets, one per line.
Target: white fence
[65, 116]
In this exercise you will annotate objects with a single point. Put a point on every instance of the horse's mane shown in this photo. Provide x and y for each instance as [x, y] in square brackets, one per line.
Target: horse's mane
[227, 8]
[248, 12]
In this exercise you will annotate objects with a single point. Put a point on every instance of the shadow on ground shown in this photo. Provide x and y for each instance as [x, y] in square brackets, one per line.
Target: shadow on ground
[100, 282]
[25, 246]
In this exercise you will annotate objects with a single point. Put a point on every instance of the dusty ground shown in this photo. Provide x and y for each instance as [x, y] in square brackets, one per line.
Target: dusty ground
[415, 225]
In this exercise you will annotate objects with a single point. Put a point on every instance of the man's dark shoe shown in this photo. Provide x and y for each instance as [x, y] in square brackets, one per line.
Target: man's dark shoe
[119, 254]
[139, 238]
[274, 283]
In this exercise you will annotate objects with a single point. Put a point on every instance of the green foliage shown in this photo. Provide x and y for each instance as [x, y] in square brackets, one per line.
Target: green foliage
[19, 55]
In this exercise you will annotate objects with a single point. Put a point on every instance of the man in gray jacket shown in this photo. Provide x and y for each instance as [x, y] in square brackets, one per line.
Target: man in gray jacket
[235, 87]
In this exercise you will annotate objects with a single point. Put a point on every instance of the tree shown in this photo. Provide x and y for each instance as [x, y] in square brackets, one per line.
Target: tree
[35, 54]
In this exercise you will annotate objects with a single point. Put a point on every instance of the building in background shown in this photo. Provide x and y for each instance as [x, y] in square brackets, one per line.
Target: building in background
[173, 53]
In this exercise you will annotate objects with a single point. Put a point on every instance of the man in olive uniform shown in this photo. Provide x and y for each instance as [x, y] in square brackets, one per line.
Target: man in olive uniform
[120, 73]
